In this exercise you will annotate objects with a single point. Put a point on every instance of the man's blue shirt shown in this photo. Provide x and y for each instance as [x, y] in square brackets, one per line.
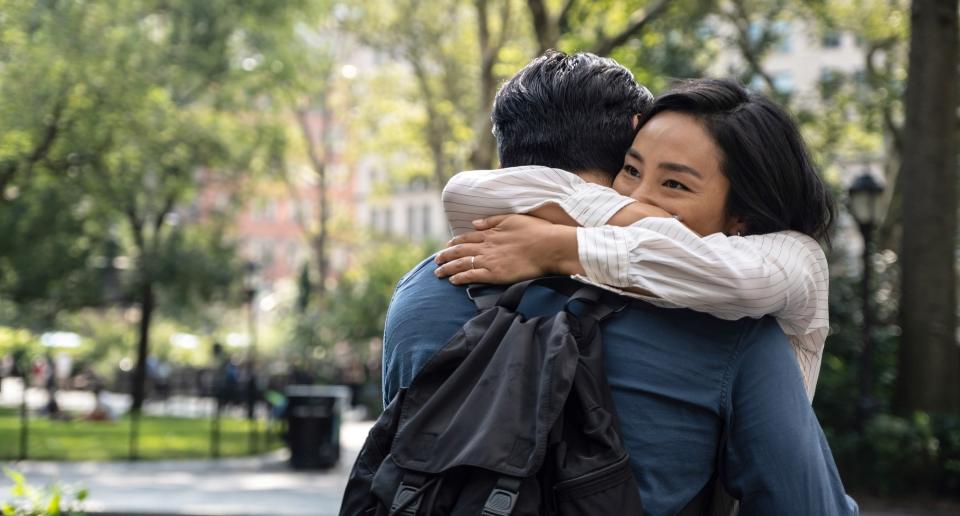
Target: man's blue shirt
[677, 377]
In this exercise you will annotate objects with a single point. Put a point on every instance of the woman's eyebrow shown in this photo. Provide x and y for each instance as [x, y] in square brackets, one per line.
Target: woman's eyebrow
[679, 167]
[635, 154]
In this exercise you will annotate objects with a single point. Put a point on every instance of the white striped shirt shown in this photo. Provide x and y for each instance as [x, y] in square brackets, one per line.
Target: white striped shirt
[782, 274]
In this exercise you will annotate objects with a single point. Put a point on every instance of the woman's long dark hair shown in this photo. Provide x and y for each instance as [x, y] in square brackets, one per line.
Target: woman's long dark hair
[774, 185]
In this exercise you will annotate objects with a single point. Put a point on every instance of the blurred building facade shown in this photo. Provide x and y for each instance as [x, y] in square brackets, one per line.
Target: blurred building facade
[278, 225]
[798, 63]
[409, 210]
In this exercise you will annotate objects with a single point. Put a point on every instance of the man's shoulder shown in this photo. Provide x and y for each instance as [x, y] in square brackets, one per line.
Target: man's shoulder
[423, 303]
[420, 280]
[425, 313]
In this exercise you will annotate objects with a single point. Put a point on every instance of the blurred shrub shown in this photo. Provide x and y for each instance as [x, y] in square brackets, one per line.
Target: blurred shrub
[53, 500]
[894, 454]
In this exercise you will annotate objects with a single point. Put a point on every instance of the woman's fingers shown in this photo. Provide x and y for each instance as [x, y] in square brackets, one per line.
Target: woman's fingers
[472, 276]
[457, 251]
[456, 266]
[489, 222]
[473, 237]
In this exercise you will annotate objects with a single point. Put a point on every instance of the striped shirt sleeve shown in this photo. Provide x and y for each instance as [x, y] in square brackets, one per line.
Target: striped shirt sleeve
[484, 193]
[782, 274]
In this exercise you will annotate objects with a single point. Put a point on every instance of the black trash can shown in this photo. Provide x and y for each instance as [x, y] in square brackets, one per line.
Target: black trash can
[313, 424]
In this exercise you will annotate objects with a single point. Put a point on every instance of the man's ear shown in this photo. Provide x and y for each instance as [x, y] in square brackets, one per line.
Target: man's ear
[636, 120]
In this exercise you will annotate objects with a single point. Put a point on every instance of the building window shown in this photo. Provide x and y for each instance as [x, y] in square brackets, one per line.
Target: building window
[830, 82]
[374, 222]
[387, 220]
[754, 33]
[427, 221]
[783, 82]
[784, 35]
[411, 221]
[831, 40]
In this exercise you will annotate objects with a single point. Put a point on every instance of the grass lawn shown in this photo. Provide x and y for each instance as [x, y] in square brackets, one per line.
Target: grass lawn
[160, 438]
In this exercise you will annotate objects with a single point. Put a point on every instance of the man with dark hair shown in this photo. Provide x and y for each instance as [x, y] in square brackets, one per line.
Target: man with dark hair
[568, 112]
[689, 388]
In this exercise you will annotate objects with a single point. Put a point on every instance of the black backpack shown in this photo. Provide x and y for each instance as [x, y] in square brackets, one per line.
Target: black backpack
[512, 417]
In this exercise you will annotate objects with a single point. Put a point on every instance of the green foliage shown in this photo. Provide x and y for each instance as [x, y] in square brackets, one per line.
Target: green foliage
[421, 115]
[54, 500]
[355, 310]
[898, 456]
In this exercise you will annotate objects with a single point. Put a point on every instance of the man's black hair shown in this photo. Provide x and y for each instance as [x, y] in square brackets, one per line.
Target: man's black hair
[774, 185]
[573, 112]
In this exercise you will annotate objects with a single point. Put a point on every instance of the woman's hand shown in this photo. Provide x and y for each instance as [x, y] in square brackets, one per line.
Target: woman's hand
[509, 248]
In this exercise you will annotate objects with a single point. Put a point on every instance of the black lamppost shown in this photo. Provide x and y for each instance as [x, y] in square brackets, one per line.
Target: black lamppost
[250, 281]
[219, 393]
[863, 201]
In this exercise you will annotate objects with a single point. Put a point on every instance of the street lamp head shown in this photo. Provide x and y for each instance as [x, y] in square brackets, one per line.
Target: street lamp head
[863, 199]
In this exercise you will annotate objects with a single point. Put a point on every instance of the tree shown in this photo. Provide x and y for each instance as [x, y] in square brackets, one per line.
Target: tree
[443, 65]
[118, 105]
[550, 28]
[355, 311]
[929, 355]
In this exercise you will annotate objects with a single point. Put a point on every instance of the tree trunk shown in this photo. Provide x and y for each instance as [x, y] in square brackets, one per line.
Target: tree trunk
[545, 27]
[484, 145]
[318, 161]
[143, 345]
[320, 242]
[436, 128]
[929, 370]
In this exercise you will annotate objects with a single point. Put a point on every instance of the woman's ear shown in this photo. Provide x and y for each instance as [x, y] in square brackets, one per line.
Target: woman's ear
[636, 120]
[735, 226]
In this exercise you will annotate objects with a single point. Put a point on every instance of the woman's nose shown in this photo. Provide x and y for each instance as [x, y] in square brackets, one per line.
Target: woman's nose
[642, 194]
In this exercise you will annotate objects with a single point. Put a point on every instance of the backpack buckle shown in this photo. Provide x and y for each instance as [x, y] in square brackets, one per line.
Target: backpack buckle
[500, 502]
[408, 497]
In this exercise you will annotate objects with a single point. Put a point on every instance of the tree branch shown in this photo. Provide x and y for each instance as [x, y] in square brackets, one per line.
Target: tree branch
[563, 19]
[749, 50]
[896, 132]
[136, 226]
[168, 203]
[9, 169]
[435, 126]
[639, 20]
[504, 25]
[542, 27]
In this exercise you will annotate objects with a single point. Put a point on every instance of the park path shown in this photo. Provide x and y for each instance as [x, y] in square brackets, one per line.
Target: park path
[252, 486]
[260, 486]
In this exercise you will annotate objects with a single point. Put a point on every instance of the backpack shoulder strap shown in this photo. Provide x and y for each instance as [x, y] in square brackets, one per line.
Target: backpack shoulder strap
[488, 296]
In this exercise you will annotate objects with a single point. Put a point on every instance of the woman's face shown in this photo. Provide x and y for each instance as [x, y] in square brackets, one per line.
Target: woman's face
[674, 164]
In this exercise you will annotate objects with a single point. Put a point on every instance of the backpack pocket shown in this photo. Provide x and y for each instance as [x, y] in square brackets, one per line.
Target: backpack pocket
[609, 490]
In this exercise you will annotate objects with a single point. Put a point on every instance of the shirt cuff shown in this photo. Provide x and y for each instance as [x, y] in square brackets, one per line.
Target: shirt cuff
[592, 205]
[604, 255]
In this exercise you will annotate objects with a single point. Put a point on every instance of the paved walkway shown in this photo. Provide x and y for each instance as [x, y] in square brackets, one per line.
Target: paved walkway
[256, 486]
[262, 485]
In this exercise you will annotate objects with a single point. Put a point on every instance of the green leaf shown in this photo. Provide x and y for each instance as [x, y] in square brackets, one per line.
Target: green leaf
[53, 507]
[14, 475]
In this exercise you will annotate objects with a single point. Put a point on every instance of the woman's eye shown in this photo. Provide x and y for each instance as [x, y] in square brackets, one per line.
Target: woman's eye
[675, 185]
[631, 171]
